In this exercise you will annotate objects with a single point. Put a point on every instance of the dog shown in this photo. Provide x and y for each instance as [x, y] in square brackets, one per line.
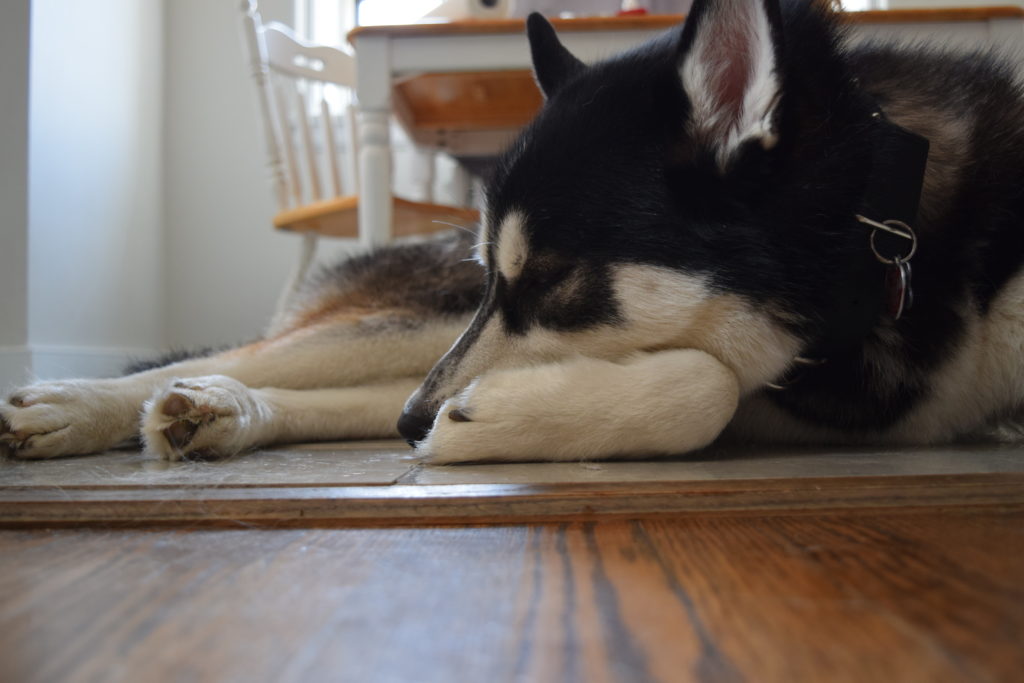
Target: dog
[745, 228]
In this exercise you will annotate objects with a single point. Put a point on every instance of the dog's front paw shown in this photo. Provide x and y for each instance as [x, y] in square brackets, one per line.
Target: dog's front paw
[213, 416]
[511, 415]
[71, 417]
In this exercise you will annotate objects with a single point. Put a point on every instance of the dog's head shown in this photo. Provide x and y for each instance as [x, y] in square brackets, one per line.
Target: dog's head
[644, 206]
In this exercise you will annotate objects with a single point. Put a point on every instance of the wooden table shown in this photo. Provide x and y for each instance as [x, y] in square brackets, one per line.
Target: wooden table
[390, 55]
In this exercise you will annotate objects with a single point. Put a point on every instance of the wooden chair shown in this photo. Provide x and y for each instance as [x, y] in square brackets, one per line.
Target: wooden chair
[305, 96]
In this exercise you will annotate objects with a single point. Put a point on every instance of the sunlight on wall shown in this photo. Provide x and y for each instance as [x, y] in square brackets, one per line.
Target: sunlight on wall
[95, 264]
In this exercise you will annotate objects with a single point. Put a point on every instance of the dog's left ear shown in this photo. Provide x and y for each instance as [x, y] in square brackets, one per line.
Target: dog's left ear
[729, 53]
[552, 63]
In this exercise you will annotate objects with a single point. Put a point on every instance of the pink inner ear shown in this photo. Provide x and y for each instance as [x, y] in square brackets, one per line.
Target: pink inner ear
[730, 59]
[729, 76]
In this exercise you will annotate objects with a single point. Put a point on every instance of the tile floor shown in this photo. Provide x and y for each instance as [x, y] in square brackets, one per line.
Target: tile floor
[384, 463]
[384, 482]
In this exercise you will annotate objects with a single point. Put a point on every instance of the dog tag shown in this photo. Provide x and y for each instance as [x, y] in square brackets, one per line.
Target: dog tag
[899, 295]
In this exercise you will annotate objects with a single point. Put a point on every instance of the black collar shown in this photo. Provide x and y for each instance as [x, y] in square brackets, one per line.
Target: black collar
[893, 190]
[892, 193]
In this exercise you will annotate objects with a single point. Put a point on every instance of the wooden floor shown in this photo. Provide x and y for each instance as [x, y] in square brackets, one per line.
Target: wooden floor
[358, 563]
[855, 597]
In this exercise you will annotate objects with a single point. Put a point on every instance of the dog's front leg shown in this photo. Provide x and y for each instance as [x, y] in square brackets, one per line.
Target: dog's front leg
[219, 416]
[651, 404]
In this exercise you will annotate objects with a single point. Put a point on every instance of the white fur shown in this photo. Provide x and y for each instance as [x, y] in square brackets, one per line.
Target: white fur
[665, 308]
[727, 125]
[512, 250]
[648, 404]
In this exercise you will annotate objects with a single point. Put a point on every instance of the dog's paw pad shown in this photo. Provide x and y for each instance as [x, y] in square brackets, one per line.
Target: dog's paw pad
[176, 405]
[201, 417]
[179, 435]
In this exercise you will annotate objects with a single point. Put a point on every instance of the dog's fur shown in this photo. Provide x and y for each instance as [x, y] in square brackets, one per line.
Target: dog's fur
[671, 232]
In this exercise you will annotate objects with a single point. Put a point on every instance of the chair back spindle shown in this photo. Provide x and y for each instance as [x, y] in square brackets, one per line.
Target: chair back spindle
[291, 76]
[282, 121]
[302, 105]
[331, 148]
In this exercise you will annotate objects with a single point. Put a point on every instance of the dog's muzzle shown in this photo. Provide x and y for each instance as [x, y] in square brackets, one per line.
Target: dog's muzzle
[414, 424]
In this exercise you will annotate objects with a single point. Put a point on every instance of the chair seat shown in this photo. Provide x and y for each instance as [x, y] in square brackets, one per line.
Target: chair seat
[339, 217]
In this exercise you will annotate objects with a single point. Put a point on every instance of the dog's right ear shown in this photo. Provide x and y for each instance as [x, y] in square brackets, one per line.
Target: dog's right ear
[552, 63]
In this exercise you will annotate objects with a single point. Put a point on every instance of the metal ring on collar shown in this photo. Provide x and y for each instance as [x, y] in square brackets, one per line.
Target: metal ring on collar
[894, 227]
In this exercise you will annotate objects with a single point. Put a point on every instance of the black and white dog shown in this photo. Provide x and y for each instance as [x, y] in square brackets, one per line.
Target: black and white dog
[744, 226]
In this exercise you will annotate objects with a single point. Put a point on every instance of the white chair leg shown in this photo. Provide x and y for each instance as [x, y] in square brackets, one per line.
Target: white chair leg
[306, 257]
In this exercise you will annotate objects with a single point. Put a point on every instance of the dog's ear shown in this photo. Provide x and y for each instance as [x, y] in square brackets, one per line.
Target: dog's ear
[552, 63]
[729, 53]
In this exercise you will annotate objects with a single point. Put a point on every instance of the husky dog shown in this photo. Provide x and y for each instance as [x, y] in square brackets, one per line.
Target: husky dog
[744, 226]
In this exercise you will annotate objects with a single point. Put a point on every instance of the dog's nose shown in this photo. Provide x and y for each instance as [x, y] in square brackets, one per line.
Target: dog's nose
[414, 426]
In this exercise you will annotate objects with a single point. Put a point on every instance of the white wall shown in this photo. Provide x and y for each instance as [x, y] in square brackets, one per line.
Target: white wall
[14, 60]
[95, 263]
[150, 198]
[225, 264]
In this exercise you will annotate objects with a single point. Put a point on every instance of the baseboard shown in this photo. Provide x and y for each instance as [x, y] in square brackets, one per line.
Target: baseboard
[15, 366]
[20, 364]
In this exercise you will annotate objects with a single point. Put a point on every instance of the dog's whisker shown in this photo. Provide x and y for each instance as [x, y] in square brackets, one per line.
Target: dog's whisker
[455, 225]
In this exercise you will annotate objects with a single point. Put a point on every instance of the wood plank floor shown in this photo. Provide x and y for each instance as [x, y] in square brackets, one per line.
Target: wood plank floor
[846, 565]
[915, 596]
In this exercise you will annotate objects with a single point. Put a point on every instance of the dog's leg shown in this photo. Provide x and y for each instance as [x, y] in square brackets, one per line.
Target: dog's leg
[70, 417]
[652, 404]
[219, 416]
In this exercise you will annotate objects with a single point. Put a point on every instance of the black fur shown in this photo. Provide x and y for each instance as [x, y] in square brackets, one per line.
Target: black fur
[434, 277]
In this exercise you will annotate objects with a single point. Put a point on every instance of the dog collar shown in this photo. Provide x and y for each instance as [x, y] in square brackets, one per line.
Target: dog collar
[882, 284]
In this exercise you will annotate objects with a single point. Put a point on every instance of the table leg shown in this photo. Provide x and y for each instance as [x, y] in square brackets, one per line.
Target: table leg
[373, 90]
